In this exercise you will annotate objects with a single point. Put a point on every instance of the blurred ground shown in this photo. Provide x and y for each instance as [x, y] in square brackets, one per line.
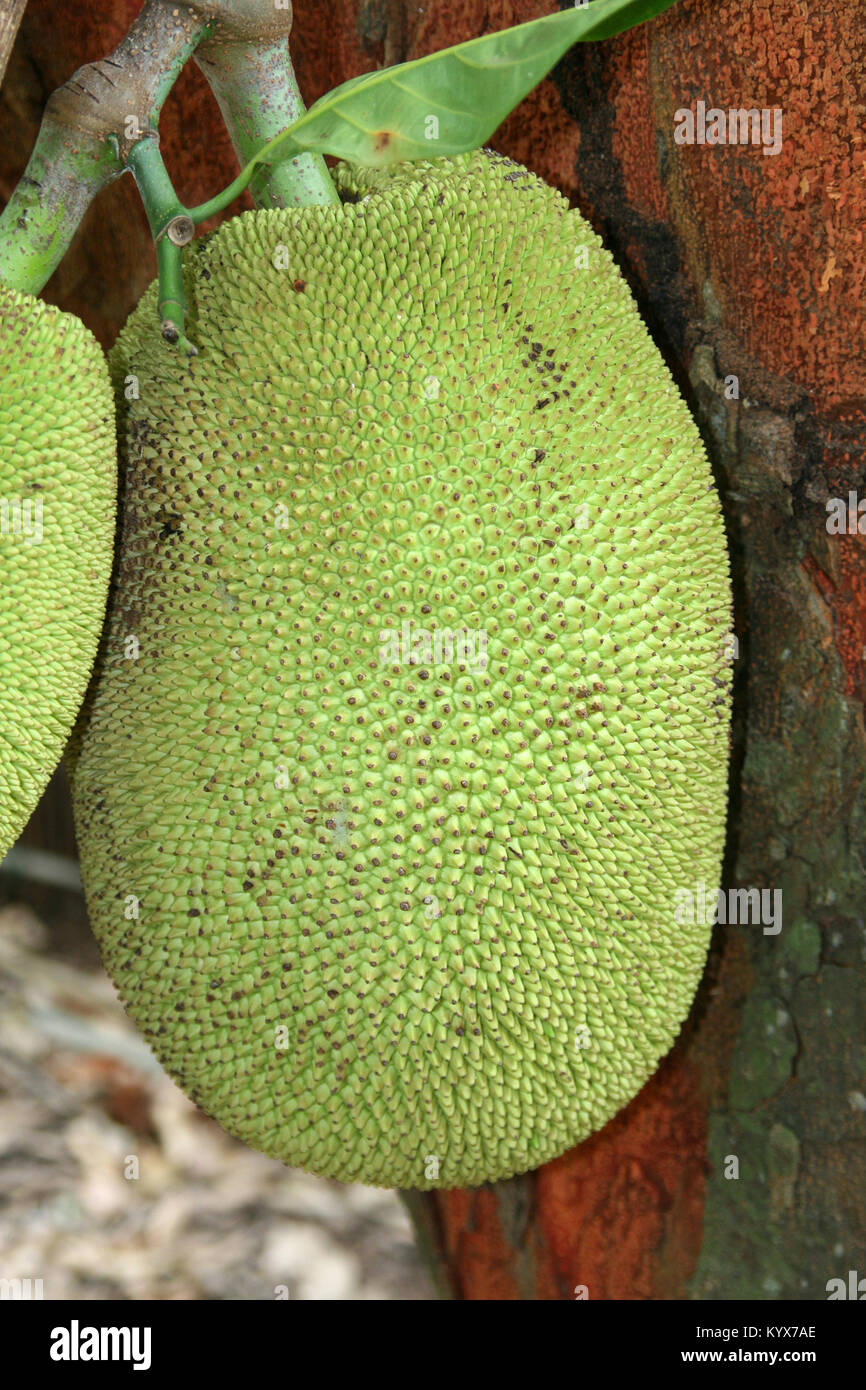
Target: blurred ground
[83, 1107]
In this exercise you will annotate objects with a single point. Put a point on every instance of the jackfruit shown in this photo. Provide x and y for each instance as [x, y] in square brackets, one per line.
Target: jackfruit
[411, 718]
[57, 499]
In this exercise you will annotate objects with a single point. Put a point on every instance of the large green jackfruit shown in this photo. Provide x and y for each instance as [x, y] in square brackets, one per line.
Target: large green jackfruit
[412, 715]
[57, 495]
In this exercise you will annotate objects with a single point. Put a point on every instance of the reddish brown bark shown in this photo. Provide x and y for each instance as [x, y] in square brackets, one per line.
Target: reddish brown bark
[743, 265]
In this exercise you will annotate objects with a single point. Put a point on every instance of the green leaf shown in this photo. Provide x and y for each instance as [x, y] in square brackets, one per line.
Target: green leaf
[446, 103]
[453, 100]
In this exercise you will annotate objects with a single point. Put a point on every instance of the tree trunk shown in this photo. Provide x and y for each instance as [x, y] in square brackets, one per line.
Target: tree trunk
[739, 1171]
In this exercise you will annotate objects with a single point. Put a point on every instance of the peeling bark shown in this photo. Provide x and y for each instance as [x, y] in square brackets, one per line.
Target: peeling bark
[745, 266]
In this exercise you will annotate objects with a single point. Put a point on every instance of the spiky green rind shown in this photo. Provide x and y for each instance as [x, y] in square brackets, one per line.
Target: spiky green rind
[408, 922]
[57, 500]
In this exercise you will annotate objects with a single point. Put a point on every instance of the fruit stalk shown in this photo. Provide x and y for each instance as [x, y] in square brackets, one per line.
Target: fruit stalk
[171, 228]
[257, 92]
[90, 123]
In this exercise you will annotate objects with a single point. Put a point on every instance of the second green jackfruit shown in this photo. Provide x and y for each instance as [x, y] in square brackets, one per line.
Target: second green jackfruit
[57, 499]
[412, 713]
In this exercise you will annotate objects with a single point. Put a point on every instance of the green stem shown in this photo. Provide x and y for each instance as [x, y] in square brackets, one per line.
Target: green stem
[172, 227]
[222, 200]
[104, 120]
[161, 203]
[88, 128]
[257, 92]
[172, 300]
[54, 192]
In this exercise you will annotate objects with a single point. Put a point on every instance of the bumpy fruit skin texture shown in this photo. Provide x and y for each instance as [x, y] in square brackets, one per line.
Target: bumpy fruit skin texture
[409, 922]
[58, 473]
